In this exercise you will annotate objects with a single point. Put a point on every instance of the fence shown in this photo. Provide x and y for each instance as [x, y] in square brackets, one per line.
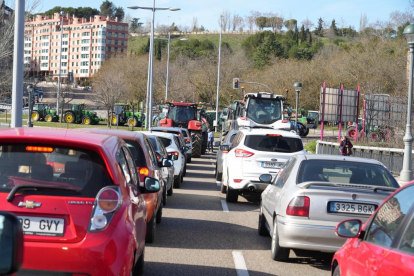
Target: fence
[392, 158]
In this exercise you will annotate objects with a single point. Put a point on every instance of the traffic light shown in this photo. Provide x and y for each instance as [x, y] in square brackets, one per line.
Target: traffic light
[235, 83]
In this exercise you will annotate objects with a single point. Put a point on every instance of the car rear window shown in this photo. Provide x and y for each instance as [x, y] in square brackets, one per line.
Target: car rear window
[137, 153]
[82, 172]
[345, 172]
[154, 143]
[273, 143]
[166, 142]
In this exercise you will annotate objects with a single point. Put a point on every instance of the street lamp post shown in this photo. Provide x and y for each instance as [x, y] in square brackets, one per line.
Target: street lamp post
[62, 14]
[407, 173]
[148, 120]
[218, 73]
[30, 91]
[298, 87]
[168, 60]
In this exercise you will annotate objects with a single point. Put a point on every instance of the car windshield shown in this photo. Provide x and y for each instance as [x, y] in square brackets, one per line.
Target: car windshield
[264, 111]
[180, 113]
[74, 169]
[313, 115]
[345, 172]
[274, 143]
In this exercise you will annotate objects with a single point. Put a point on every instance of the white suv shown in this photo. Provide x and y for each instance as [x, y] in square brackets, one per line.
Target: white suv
[252, 153]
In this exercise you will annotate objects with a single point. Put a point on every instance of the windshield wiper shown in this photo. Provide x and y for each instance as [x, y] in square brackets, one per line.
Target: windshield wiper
[14, 191]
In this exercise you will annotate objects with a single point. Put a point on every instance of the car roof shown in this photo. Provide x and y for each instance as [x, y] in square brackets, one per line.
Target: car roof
[339, 158]
[263, 93]
[159, 134]
[46, 135]
[182, 104]
[264, 131]
[178, 129]
[125, 134]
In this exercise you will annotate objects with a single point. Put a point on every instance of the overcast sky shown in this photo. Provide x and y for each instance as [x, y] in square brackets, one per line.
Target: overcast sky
[208, 11]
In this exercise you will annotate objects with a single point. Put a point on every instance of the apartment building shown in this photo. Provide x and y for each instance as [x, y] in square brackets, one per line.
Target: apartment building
[86, 44]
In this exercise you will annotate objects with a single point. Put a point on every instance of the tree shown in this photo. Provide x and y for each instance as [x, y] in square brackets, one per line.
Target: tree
[237, 22]
[291, 24]
[107, 8]
[307, 23]
[333, 28]
[194, 24]
[319, 28]
[119, 12]
[135, 24]
[224, 20]
[261, 22]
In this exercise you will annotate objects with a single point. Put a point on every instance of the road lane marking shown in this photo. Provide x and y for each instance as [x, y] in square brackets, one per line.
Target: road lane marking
[239, 264]
[224, 205]
[218, 183]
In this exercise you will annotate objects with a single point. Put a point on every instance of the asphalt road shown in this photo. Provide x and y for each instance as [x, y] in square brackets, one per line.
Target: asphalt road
[198, 236]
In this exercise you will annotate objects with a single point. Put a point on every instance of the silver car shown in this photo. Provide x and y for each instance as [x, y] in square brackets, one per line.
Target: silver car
[313, 193]
[226, 140]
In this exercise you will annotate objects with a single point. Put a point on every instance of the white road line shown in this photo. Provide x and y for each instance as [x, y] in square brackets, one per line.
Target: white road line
[239, 264]
[218, 183]
[224, 205]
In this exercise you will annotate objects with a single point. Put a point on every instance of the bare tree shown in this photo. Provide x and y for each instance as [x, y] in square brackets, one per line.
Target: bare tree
[307, 24]
[194, 24]
[275, 21]
[363, 22]
[237, 21]
[224, 20]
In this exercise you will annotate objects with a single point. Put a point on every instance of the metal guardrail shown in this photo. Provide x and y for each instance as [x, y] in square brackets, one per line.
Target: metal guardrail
[392, 158]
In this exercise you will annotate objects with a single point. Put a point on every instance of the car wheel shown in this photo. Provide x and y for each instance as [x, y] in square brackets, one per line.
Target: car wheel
[231, 195]
[138, 268]
[337, 271]
[223, 189]
[151, 225]
[177, 181]
[171, 190]
[189, 159]
[278, 253]
[185, 170]
[219, 175]
[164, 196]
[262, 223]
[182, 177]
[159, 215]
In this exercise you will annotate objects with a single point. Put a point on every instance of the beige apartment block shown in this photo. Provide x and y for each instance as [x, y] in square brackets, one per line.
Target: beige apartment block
[86, 44]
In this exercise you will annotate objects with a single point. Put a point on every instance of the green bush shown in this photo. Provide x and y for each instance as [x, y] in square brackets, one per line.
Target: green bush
[311, 147]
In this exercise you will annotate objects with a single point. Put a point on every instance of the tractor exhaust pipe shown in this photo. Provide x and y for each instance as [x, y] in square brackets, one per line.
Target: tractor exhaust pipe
[251, 188]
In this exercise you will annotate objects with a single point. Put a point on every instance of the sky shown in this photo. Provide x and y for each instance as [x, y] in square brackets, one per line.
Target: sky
[208, 11]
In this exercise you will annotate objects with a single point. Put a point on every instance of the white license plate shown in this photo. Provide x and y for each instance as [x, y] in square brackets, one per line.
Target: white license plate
[352, 208]
[41, 226]
[270, 165]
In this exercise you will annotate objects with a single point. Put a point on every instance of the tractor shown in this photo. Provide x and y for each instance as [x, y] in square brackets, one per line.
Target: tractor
[77, 114]
[187, 116]
[42, 112]
[123, 115]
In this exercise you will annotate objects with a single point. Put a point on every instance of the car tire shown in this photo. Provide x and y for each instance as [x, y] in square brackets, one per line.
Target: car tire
[189, 159]
[219, 175]
[177, 181]
[185, 170]
[151, 226]
[138, 268]
[159, 215]
[170, 191]
[262, 230]
[278, 253]
[337, 271]
[231, 195]
[223, 188]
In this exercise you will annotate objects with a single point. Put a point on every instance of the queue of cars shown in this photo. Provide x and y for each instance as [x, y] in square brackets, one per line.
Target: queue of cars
[93, 193]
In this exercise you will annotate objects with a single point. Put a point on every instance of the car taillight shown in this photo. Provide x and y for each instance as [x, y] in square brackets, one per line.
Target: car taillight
[107, 202]
[175, 153]
[159, 159]
[299, 206]
[143, 172]
[187, 140]
[237, 180]
[285, 121]
[243, 153]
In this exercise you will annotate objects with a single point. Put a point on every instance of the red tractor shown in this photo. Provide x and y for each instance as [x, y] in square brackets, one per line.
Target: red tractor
[186, 115]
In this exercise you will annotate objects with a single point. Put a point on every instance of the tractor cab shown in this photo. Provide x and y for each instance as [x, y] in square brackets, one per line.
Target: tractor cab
[40, 106]
[78, 108]
[181, 114]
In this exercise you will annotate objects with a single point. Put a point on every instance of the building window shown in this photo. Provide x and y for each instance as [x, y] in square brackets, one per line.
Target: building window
[123, 28]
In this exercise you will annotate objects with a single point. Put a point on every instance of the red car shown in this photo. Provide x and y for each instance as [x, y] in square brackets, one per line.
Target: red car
[88, 217]
[148, 164]
[384, 245]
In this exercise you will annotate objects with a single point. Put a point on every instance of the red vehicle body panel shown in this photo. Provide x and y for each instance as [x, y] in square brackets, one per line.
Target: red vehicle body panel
[358, 257]
[152, 200]
[182, 104]
[194, 125]
[166, 123]
[109, 251]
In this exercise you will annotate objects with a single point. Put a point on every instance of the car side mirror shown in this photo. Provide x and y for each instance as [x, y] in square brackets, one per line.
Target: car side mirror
[349, 228]
[185, 148]
[11, 244]
[151, 185]
[217, 144]
[166, 163]
[225, 148]
[265, 178]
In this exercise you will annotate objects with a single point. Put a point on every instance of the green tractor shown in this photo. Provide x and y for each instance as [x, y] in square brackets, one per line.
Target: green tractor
[77, 114]
[123, 113]
[42, 112]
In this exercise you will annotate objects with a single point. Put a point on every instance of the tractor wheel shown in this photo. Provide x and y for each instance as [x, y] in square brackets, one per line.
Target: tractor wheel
[204, 143]
[70, 117]
[132, 121]
[86, 120]
[373, 136]
[351, 132]
[35, 116]
[48, 118]
[197, 143]
[112, 118]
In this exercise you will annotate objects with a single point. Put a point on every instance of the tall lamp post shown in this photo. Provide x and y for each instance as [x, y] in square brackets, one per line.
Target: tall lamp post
[62, 14]
[168, 60]
[298, 87]
[148, 119]
[30, 91]
[407, 172]
[218, 73]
